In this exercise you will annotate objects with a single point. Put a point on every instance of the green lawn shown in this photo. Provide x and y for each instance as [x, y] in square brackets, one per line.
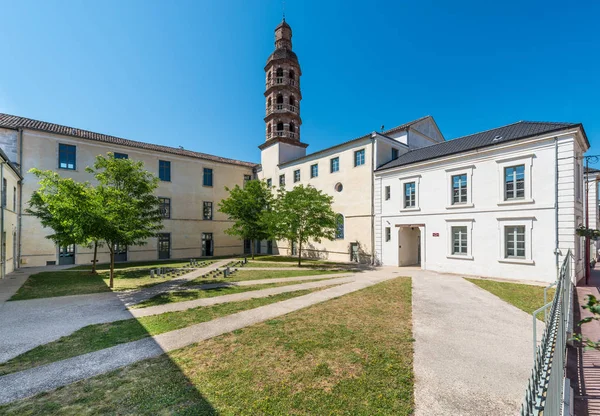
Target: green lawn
[193, 294]
[528, 298]
[347, 356]
[64, 283]
[242, 275]
[100, 336]
[141, 264]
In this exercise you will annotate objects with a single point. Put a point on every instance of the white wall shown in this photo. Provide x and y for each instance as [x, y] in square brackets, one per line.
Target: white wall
[486, 213]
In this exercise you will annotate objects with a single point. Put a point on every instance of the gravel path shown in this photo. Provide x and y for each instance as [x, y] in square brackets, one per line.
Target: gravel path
[473, 351]
[48, 377]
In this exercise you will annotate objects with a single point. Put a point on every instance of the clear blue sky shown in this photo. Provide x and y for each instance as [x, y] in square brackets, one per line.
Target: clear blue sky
[191, 73]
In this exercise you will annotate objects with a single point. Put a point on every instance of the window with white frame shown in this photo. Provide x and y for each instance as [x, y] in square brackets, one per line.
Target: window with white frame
[516, 239]
[459, 241]
[297, 175]
[410, 194]
[359, 157]
[514, 242]
[394, 153]
[459, 189]
[314, 170]
[282, 180]
[387, 193]
[388, 234]
[514, 182]
[515, 179]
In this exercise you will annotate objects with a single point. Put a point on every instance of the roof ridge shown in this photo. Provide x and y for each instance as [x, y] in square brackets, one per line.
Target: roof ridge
[20, 121]
[495, 128]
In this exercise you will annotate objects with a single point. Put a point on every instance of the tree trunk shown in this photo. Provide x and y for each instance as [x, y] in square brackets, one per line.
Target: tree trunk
[112, 265]
[252, 248]
[95, 257]
[299, 253]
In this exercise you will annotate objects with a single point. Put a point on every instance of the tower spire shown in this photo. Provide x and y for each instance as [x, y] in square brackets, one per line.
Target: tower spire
[282, 93]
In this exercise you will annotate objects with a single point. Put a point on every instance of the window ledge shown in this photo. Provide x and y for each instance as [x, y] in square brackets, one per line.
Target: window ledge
[458, 206]
[409, 209]
[458, 257]
[517, 261]
[516, 202]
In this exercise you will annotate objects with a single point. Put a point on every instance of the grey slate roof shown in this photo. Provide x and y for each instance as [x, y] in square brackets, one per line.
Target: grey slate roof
[15, 122]
[497, 136]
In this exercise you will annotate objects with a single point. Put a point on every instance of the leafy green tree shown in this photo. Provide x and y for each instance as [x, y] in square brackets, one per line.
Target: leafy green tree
[68, 208]
[303, 214]
[129, 211]
[592, 305]
[248, 208]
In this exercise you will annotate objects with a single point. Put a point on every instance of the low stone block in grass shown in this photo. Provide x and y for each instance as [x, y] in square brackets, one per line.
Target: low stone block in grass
[243, 275]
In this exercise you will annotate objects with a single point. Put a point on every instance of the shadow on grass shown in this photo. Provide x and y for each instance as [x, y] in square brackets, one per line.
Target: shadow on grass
[152, 386]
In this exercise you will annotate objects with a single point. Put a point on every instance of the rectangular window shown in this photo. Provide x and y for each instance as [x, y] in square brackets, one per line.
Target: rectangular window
[66, 156]
[165, 207]
[388, 234]
[269, 183]
[314, 170]
[394, 153]
[207, 244]
[297, 175]
[207, 210]
[578, 181]
[164, 170]
[459, 241]
[282, 180]
[459, 189]
[514, 241]
[207, 177]
[247, 178]
[514, 182]
[14, 199]
[334, 164]
[359, 157]
[387, 193]
[121, 155]
[410, 195]
[164, 245]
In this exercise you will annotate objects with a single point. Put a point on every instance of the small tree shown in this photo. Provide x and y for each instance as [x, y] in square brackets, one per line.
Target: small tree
[129, 211]
[303, 214]
[66, 207]
[248, 208]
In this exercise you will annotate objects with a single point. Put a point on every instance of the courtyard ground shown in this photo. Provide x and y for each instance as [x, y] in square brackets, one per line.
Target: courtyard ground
[321, 344]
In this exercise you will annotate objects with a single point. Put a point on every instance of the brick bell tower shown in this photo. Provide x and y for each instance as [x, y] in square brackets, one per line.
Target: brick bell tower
[282, 97]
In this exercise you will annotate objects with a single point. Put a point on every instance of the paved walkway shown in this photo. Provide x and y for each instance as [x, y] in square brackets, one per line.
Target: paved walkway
[584, 364]
[48, 377]
[26, 324]
[473, 351]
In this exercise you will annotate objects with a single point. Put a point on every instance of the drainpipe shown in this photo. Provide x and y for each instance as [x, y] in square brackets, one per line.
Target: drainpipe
[20, 217]
[2, 207]
[556, 252]
[372, 199]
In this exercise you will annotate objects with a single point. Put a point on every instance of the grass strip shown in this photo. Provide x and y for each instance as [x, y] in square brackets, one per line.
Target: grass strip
[99, 336]
[243, 275]
[348, 356]
[193, 294]
[528, 298]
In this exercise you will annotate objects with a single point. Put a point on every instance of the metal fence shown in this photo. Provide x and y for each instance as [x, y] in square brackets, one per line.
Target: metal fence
[548, 390]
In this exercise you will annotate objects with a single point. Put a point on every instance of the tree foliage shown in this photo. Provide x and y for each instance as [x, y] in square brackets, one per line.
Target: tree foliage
[303, 214]
[248, 208]
[129, 210]
[592, 305]
[69, 208]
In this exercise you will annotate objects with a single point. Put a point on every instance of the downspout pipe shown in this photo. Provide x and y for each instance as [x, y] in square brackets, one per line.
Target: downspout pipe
[2, 208]
[556, 242]
[373, 167]
[20, 216]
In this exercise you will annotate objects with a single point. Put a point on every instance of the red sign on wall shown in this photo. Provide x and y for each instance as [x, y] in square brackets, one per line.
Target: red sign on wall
[436, 234]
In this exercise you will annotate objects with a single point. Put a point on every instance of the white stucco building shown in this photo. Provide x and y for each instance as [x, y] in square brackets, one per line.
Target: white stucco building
[496, 203]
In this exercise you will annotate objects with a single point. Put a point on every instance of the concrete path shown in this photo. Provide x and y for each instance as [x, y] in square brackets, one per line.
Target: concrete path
[48, 377]
[26, 324]
[473, 351]
[261, 293]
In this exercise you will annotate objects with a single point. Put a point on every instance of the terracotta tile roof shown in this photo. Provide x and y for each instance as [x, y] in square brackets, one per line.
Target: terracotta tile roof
[15, 122]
